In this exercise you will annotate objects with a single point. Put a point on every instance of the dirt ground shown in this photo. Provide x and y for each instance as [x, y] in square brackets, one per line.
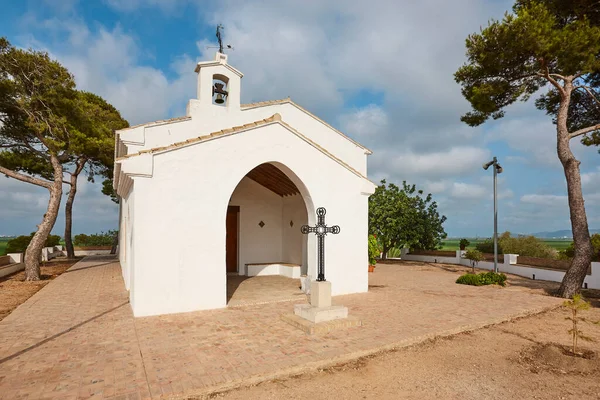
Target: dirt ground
[521, 359]
[14, 290]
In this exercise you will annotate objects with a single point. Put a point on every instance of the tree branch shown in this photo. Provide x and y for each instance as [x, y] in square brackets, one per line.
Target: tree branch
[558, 76]
[584, 131]
[26, 178]
[587, 89]
[553, 81]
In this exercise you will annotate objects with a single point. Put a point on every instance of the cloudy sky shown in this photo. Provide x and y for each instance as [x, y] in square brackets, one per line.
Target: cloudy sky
[381, 71]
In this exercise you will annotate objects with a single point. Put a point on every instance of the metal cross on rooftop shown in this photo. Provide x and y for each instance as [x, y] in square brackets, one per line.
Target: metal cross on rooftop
[321, 229]
[219, 28]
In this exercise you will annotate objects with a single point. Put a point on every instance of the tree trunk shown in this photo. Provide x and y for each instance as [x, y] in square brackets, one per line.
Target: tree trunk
[385, 251]
[69, 217]
[69, 207]
[575, 275]
[34, 249]
[115, 243]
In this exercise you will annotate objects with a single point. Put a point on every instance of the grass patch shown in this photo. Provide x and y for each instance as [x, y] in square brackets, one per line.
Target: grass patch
[482, 279]
[453, 244]
[3, 242]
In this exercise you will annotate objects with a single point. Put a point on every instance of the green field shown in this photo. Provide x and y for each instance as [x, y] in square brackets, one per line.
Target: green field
[3, 242]
[452, 244]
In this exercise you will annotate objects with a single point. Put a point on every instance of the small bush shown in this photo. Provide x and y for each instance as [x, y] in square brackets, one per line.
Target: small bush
[394, 252]
[20, 243]
[484, 278]
[528, 246]
[569, 252]
[464, 243]
[374, 249]
[487, 246]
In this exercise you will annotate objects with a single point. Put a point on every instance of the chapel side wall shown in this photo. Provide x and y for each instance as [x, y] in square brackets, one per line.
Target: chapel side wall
[189, 273]
[124, 246]
[182, 209]
[257, 203]
[294, 210]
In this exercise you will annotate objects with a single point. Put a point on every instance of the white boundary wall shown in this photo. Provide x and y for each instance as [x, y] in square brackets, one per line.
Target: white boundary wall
[509, 266]
[16, 264]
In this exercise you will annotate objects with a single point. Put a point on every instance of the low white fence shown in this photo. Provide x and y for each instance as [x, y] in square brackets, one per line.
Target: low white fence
[15, 264]
[509, 266]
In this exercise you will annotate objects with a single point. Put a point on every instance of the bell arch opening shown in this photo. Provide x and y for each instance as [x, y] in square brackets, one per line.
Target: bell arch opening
[265, 213]
[220, 90]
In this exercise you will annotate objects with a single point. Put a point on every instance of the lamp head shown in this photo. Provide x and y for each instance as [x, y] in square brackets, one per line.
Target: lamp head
[487, 165]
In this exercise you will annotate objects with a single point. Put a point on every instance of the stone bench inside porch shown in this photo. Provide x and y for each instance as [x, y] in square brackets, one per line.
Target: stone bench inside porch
[274, 268]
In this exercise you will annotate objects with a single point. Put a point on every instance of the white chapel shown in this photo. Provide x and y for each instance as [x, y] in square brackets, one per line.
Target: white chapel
[226, 189]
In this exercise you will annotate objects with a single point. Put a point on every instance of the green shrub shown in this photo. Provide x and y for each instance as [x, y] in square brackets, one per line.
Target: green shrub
[487, 246]
[469, 279]
[95, 239]
[569, 252]
[374, 249]
[394, 252]
[464, 243]
[529, 246]
[20, 243]
[484, 278]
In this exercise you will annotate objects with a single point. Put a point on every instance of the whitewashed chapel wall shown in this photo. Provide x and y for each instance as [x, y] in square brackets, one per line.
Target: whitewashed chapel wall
[293, 247]
[188, 206]
[257, 203]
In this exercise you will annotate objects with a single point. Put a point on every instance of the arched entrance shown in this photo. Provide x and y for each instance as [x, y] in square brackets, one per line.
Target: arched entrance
[263, 237]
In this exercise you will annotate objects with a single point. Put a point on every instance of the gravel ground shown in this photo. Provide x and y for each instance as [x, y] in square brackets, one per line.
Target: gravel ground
[14, 290]
[522, 359]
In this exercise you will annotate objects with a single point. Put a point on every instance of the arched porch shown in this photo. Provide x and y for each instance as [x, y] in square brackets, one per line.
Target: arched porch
[266, 253]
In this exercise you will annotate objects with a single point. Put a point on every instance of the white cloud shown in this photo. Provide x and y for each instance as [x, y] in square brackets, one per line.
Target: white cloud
[461, 190]
[591, 180]
[551, 200]
[454, 162]
[371, 120]
[135, 5]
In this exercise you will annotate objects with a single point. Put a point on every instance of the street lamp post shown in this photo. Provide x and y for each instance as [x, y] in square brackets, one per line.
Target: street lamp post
[497, 170]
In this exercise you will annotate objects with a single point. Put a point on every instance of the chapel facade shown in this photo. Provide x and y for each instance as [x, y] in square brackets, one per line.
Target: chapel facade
[226, 189]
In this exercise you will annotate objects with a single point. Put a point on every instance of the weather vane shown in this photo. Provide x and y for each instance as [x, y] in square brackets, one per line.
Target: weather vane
[220, 39]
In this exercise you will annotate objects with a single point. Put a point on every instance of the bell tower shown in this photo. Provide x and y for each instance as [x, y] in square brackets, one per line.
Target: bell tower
[219, 84]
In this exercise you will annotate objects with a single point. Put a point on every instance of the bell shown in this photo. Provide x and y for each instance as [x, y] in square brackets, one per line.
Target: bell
[219, 99]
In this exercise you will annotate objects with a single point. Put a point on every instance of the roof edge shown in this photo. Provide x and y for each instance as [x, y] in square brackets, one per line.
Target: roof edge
[156, 123]
[288, 100]
[274, 119]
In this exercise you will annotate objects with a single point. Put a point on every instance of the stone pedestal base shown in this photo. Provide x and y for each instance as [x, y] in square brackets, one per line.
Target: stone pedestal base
[322, 327]
[320, 314]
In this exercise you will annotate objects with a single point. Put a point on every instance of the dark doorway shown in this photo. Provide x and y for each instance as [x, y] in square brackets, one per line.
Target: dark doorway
[231, 241]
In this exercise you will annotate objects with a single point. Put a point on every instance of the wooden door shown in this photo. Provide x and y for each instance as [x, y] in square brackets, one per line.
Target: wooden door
[231, 241]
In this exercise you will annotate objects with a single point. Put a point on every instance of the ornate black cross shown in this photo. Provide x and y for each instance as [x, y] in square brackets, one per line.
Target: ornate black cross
[321, 229]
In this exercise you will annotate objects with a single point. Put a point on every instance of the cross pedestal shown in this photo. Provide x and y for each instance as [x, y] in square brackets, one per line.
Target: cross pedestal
[320, 316]
[320, 308]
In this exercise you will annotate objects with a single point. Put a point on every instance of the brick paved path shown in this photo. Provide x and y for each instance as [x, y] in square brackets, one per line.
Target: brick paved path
[77, 337]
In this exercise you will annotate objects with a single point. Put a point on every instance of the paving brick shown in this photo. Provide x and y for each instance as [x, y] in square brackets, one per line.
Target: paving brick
[77, 338]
